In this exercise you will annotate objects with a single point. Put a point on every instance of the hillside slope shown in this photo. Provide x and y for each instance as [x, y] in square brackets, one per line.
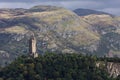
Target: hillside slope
[56, 29]
[108, 29]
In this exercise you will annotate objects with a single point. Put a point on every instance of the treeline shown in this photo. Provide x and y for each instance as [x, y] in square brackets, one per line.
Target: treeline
[109, 59]
[52, 66]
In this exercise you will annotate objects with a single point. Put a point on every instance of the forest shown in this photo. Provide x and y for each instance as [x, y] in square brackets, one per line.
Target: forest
[52, 66]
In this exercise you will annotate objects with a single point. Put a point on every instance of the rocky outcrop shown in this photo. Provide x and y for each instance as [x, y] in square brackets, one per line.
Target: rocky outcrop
[4, 58]
[4, 54]
[113, 69]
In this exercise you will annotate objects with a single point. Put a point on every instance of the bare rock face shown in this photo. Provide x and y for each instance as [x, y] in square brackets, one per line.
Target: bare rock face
[4, 58]
[4, 54]
[113, 69]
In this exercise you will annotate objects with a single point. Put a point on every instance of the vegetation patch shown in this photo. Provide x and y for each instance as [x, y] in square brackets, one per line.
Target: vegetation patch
[52, 66]
[16, 29]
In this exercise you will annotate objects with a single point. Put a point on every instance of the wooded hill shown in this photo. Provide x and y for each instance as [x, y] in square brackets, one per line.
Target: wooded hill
[52, 66]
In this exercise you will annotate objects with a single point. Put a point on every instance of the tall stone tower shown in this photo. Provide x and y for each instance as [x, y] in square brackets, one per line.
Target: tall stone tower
[32, 47]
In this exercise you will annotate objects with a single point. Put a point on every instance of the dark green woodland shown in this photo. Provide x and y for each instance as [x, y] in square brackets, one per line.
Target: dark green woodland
[51, 66]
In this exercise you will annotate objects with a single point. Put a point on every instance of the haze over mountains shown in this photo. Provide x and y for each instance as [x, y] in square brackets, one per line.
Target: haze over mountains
[58, 30]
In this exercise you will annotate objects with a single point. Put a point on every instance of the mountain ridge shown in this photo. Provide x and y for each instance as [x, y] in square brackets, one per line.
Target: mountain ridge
[57, 30]
[85, 12]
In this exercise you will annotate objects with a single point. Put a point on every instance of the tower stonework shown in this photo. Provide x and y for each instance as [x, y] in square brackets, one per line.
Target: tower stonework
[32, 47]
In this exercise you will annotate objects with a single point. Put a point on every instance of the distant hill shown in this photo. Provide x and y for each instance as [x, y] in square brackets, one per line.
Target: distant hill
[84, 12]
[57, 30]
[106, 26]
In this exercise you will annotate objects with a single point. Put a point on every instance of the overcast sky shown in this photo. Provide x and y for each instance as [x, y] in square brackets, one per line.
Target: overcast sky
[110, 6]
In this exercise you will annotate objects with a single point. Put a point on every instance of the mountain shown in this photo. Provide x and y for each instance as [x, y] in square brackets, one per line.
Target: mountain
[57, 30]
[107, 27]
[84, 12]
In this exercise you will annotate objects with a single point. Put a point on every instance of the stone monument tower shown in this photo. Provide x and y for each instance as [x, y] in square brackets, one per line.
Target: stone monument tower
[32, 47]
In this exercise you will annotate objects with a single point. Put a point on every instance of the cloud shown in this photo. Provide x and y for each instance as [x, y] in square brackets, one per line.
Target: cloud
[13, 5]
[111, 6]
[19, 0]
